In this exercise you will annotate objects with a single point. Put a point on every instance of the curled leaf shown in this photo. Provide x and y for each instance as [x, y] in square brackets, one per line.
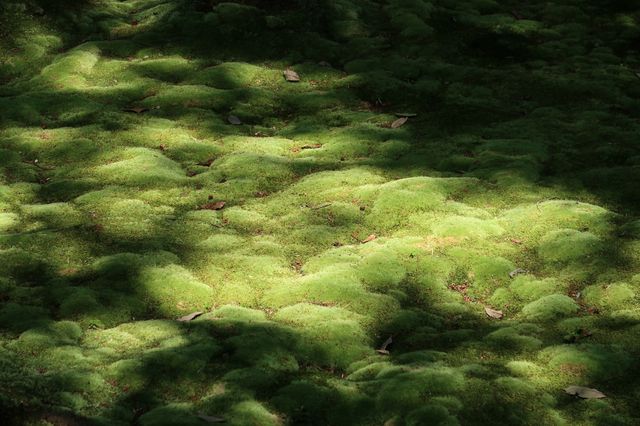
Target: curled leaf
[291, 75]
[493, 313]
[369, 238]
[583, 392]
[206, 163]
[516, 272]
[320, 206]
[383, 349]
[232, 119]
[311, 146]
[399, 122]
[211, 419]
[137, 110]
[218, 205]
[190, 317]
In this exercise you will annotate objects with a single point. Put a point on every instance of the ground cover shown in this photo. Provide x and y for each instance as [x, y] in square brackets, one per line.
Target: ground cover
[154, 162]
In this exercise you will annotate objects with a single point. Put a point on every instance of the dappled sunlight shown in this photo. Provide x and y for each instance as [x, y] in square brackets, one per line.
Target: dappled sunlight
[463, 265]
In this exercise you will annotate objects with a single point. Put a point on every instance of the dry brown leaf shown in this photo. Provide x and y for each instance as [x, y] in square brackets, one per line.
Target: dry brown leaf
[399, 122]
[206, 163]
[211, 419]
[234, 120]
[320, 206]
[312, 146]
[383, 349]
[586, 393]
[516, 272]
[516, 241]
[291, 75]
[137, 110]
[369, 238]
[218, 205]
[190, 317]
[493, 313]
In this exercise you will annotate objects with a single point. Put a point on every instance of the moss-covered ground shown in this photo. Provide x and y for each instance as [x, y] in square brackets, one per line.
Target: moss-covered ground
[515, 186]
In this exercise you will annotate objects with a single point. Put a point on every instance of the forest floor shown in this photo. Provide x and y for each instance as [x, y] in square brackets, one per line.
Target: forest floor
[439, 224]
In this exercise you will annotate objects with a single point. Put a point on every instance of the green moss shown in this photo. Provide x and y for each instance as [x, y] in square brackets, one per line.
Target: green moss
[509, 338]
[172, 290]
[252, 413]
[330, 336]
[8, 221]
[461, 226]
[566, 246]
[520, 151]
[170, 414]
[406, 390]
[549, 308]
[592, 361]
[610, 297]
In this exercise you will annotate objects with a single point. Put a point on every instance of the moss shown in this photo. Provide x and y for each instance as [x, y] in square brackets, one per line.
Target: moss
[252, 413]
[610, 297]
[172, 290]
[461, 226]
[549, 308]
[509, 338]
[591, 361]
[565, 246]
[330, 336]
[432, 414]
[170, 414]
[534, 172]
[409, 389]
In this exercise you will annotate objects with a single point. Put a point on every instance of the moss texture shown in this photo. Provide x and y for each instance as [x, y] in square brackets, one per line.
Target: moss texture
[512, 186]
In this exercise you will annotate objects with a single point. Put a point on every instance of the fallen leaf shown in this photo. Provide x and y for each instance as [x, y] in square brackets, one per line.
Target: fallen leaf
[383, 349]
[211, 419]
[516, 272]
[206, 163]
[234, 120]
[493, 313]
[218, 205]
[137, 110]
[399, 122]
[190, 317]
[291, 75]
[586, 393]
[312, 146]
[162, 147]
[369, 238]
[406, 114]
